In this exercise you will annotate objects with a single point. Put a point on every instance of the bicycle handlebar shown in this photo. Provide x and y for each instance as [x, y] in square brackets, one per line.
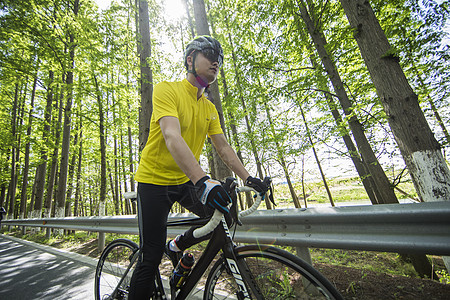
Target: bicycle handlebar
[217, 216]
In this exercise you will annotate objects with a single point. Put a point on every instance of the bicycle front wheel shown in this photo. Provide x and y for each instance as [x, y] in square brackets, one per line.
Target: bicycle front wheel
[114, 270]
[274, 273]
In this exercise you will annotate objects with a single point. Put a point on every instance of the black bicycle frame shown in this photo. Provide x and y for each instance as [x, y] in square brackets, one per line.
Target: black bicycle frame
[220, 240]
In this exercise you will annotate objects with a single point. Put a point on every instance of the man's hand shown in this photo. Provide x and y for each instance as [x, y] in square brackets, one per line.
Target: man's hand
[212, 193]
[256, 183]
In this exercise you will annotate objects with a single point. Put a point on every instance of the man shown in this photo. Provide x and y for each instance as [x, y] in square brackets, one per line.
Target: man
[169, 171]
[2, 211]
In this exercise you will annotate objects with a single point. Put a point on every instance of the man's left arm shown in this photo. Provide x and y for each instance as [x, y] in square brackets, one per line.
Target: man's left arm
[228, 155]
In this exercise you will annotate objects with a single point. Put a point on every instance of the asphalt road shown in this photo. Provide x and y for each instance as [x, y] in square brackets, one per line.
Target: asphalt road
[31, 271]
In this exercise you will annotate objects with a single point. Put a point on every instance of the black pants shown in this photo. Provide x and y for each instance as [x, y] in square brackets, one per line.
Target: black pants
[154, 203]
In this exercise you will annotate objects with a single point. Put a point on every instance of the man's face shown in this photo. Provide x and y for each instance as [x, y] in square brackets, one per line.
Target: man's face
[205, 68]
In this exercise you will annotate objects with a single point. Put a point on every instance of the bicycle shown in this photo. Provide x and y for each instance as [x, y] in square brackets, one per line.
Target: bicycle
[240, 272]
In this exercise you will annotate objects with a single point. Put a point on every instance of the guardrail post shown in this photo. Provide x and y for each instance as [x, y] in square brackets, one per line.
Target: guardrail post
[303, 253]
[101, 241]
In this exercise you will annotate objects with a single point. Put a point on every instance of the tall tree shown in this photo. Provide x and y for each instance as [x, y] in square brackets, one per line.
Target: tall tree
[281, 159]
[418, 146]
[202, 27]
[384, 191]
[146, 80]
[322, 174]
[24, 190]
[78, 177]
[64, 165]
[416, 141]
[42, 167]
[54, 157]
[14, 149]
[103, 178]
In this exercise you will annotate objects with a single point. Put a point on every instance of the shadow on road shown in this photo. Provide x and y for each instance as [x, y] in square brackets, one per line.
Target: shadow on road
[28, 272]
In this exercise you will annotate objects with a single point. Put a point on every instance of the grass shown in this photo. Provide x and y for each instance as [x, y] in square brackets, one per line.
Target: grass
[379, 262]
[342, 190]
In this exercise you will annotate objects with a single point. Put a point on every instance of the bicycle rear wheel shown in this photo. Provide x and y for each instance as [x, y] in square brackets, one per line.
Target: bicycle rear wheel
[275, 274]
[114, 270]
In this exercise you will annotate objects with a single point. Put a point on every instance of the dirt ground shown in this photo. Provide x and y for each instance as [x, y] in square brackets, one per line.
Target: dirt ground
[368, 285]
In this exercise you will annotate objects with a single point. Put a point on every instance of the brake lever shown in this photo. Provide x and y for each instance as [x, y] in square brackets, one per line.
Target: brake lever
[268, 182]
[230, 186]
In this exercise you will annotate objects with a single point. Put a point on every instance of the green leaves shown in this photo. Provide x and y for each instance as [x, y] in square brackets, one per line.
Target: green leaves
[270, 68]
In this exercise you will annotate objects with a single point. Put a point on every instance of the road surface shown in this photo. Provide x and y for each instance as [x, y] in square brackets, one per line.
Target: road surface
[32, 271]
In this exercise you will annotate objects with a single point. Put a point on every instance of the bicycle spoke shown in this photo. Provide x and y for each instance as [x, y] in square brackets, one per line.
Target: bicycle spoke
[112, 278]
[275, 276]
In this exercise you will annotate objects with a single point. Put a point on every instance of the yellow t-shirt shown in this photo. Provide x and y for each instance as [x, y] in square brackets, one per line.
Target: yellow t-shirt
[197, 118]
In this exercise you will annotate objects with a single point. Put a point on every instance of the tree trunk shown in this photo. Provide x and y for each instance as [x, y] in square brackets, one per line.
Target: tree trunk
[418, 146]
[281, 160]
[33, 192]
[431, 102]
[71, 173]
[12, 183]
[201, 24]
[54, 164]
[247, 122]
[235, 139]
[303, 181]
[384, 191]
[116, 180]
[364, 175]
[18, 146]
[65, 151]
[2, 194]
[128, 205]
[24, 192]
[308, 133]
[146, 80]
[102, 196]
[191, 26]
[42, 167]
[78, 177]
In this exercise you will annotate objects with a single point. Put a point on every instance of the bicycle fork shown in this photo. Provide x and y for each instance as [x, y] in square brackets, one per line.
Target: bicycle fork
[239, 270]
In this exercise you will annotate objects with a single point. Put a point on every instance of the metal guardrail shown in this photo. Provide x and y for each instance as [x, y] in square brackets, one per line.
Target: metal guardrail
[409, 228]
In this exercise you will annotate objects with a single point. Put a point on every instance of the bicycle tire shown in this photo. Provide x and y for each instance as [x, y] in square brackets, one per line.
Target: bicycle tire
[276, 273]
[112, 267]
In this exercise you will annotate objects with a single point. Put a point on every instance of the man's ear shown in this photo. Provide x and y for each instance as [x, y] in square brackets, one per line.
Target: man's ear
[189, 61]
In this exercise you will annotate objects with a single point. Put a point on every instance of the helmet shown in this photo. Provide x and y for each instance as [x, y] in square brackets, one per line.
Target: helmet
[208, 46]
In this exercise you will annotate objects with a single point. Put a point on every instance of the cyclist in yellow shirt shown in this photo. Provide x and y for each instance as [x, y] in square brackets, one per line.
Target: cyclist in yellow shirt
[169, 171]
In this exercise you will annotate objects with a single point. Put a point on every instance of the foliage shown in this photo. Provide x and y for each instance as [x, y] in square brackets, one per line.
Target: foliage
[271, 72]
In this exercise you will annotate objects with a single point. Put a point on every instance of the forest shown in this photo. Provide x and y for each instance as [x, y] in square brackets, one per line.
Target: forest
[309, 89]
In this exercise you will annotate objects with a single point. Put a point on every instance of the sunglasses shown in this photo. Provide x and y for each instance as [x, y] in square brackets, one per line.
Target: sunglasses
[212, 55]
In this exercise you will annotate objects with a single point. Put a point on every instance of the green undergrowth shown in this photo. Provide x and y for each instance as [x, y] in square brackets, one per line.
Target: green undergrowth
[379, 262]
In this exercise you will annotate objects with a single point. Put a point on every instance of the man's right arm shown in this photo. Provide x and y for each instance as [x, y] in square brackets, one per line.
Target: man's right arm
[180, 151]
[210, 191]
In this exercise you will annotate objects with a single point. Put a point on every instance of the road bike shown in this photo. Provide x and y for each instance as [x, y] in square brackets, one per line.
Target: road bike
[233, 272]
